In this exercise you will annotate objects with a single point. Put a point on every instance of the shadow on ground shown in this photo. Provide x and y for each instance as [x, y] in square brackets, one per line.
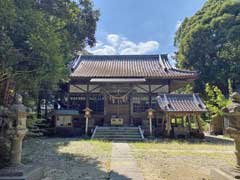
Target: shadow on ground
[67, 165]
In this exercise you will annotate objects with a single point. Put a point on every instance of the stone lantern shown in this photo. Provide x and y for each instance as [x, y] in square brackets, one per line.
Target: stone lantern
[232, 116]
[17, 130]
[17, 117]
[150, 116]
[87, 111]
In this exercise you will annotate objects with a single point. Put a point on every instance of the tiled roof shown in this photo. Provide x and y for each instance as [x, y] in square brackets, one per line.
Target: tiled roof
[120, 66]
[181, 103]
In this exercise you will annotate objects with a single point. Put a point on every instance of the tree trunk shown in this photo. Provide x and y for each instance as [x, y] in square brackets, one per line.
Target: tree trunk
[6, 92]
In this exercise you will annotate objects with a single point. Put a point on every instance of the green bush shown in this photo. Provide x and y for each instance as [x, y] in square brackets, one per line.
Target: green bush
[31, 120]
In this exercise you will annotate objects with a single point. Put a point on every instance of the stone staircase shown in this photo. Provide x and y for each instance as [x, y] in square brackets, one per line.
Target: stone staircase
[40, 128]
[118, 133]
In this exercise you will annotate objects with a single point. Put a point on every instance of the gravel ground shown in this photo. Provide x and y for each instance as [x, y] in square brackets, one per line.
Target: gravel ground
[69, 159]
[75, 159]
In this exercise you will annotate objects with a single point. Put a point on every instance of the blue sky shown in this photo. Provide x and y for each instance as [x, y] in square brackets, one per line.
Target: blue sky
[140, 26]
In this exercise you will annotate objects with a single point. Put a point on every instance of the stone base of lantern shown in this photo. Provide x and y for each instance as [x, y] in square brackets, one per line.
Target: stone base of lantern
[24, 172]
[225, 174]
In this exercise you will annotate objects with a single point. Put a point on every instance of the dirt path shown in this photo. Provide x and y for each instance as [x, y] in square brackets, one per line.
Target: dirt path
[123, 164]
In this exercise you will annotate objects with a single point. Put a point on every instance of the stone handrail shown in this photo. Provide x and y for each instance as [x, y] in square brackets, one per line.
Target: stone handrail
[94, 132]
[141, 133]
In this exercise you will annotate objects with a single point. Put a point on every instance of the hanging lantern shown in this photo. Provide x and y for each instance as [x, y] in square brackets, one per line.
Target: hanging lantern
[87, 111]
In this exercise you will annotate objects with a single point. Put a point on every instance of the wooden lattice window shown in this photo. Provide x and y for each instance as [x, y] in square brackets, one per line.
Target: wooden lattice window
[140, 103]
[96, 103]
[78, 102]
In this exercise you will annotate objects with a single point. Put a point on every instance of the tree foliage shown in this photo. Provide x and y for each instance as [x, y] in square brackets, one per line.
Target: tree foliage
[209, 42]
[215, 100]
[37, 40]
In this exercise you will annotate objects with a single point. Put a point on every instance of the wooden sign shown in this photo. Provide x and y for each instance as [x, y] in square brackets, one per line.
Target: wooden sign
[116, 121]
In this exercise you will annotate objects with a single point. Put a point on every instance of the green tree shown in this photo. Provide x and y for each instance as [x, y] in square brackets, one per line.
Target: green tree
[215, 100]
[209, 42]
[38, 39]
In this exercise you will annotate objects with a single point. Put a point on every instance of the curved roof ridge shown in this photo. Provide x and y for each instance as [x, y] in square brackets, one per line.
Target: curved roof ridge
[149, 66]
[181, 103]
[184, 70]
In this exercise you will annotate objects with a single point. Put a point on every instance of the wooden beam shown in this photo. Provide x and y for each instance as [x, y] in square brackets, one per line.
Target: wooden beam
[95, 88]
[141, 88]
[154, 90]
[79, 88]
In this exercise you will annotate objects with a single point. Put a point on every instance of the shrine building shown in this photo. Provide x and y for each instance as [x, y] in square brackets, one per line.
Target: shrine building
[120, 89]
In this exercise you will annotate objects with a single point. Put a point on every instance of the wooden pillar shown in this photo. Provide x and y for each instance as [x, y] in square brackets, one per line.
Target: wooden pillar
[183, 117]
[162, 125]
[105, 108]
[150, 95]
[130, 109]
[197, 118]
[168, 124]
[189, 123]
[87, 96]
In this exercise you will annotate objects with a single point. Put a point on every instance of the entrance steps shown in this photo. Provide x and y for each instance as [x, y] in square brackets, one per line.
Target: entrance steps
[118, 133]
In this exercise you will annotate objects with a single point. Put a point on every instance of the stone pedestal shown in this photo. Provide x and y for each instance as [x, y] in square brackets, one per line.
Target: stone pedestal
[16, 136]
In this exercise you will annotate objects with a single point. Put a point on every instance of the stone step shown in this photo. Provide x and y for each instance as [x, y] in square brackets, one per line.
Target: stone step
[120, 139]
[114, 130]
[118, 129]
[117, 133]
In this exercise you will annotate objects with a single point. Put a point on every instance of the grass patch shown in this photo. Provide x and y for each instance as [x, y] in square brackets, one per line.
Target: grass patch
[90, 148]
[182, 145]
[168, 159]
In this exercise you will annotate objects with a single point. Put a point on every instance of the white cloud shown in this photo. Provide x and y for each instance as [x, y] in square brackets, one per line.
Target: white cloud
[104, 50]
[116, 44]
[98, 44]
[113, 39]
